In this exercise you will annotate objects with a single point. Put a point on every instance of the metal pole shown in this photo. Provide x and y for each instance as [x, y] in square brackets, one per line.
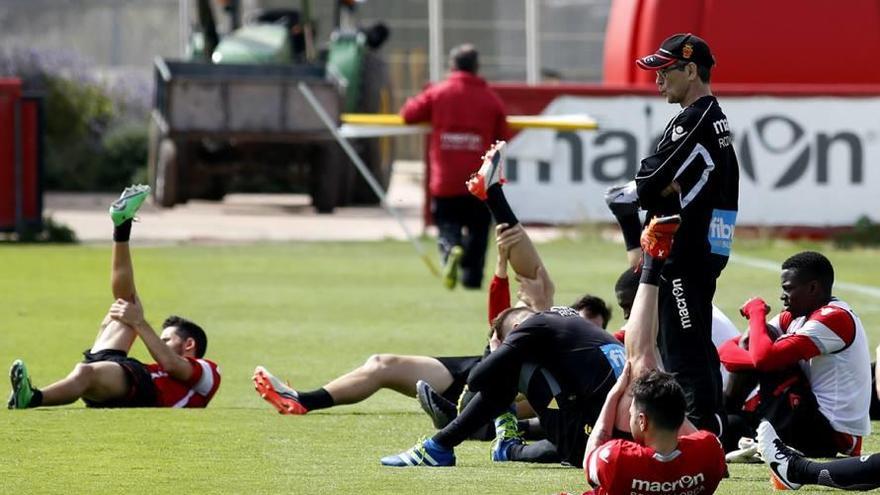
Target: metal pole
[436, 56]
[183, 30]
[533, 42]
[364, 171]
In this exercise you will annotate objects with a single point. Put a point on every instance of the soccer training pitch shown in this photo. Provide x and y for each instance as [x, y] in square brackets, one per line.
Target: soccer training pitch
[308, 312]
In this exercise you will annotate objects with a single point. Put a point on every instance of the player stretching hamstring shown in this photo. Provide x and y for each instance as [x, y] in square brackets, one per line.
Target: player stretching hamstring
[667, 455]
[107, 377]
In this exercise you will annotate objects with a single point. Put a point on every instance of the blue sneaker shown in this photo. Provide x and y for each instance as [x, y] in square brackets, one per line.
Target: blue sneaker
[425, 453]
[506, 435]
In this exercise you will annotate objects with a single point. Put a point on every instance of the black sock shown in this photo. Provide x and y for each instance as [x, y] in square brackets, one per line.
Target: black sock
[477, 413]
[499, 207]
[36, 399]
[631, 228]
[651, 268]
[853, 473]
[122, 232]
[316, 399]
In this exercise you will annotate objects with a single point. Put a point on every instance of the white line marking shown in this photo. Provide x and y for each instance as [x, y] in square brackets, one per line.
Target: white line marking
[768, 265]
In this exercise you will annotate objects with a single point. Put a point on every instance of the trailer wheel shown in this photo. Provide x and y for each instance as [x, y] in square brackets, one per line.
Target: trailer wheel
[166, 178]
[326, 164]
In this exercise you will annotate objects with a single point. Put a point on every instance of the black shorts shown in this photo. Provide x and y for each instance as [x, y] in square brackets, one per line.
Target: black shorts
[569, 424]
[788, 403]
[141, 390]
[459, 367]
[685, 344]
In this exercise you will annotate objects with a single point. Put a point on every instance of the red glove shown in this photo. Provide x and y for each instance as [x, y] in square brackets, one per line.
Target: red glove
[754, 307]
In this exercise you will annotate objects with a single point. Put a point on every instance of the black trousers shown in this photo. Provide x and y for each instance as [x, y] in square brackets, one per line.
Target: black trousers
[685, 344]
[463, 221]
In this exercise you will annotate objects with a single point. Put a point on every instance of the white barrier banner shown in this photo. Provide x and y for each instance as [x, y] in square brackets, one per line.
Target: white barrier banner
[803, 161]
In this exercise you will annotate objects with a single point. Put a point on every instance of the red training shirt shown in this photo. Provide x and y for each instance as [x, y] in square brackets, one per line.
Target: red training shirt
[195, 392]
[624, 467]
[466, 116]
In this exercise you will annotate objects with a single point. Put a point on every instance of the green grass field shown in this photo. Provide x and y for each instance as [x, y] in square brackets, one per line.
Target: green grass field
[308, 312]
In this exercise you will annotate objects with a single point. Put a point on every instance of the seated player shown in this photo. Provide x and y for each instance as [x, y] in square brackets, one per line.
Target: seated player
[563, 364]
[424, 375]
[107, 377]
[400, 373]
[667, 455]
[822, 355]
[789, 469]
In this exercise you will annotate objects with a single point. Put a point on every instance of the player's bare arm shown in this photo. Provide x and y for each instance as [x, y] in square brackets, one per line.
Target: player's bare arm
[131, 313]
[604, 427]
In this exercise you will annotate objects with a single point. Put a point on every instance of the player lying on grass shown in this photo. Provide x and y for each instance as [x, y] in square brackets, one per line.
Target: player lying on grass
[444, 374]
[789, 469]
[667, 454]
[812, 362]
[107, 377]
[423, 375]
[563, 364]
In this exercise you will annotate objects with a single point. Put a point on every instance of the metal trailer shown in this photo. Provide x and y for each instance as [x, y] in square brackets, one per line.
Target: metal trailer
[215, 125]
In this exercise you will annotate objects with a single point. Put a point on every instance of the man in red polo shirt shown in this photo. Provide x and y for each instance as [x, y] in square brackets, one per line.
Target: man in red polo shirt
[466, 117]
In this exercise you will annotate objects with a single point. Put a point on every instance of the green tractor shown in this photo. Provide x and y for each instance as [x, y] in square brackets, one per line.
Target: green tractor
[231, 118]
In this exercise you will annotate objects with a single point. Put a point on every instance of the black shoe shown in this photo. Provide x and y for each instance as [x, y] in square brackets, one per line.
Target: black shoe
[623, 200]
[441, 410]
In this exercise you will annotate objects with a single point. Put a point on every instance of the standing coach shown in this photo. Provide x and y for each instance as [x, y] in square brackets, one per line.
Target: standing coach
[693, 172]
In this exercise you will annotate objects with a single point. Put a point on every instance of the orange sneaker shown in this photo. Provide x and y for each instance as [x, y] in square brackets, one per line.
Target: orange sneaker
[275, 392]
[657, 236]
[490, 172]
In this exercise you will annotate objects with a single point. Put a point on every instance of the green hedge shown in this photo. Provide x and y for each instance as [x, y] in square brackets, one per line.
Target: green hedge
[89, 147]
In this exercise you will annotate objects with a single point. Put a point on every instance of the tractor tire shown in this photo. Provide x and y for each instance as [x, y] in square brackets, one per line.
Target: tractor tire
[377, 153]
[165, 174]
[325, 164]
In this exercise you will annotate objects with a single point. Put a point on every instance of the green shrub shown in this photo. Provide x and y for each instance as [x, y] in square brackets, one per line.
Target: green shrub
[88, 148]
[864, 233]
[123, 157]
[52, 232]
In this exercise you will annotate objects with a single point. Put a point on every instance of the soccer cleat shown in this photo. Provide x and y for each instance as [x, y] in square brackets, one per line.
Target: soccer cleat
[275, 392]
[747, 453]
[657, 237]
[450, 269]
[777, 455]
[506, 435]
[425, 453]
[441, 410]
[490, 172]
[623, 200]
[131, 199]
[22, 391]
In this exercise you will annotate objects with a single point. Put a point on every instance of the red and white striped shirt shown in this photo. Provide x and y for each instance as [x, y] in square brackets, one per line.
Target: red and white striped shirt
[840, 372]
[195, 392]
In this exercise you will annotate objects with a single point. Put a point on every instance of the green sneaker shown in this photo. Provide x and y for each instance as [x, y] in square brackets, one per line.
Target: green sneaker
[506, 434]
[131, 199]
[21, 386]
[450, 269]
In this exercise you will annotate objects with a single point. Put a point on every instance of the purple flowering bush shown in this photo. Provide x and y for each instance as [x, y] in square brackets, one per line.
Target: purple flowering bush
[95, 123]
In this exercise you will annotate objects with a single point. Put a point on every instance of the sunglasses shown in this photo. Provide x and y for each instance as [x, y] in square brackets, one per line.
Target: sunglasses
[664, 72]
